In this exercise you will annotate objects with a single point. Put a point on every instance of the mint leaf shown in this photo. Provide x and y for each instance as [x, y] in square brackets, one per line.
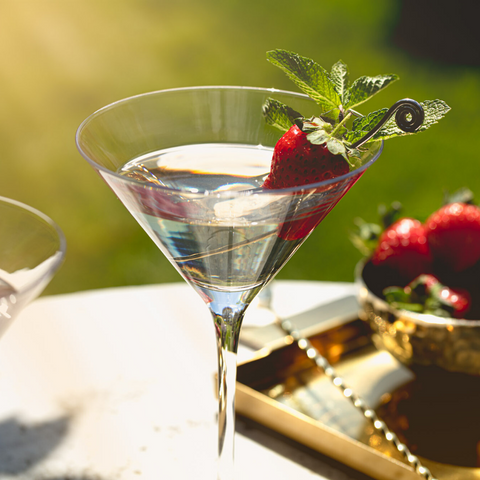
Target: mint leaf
[335, 96]
[279, 115]
[361, 126]
[309, 76]
[434, 110]
[339, 75]
[396, 295]
[366, 123]
[364, 88]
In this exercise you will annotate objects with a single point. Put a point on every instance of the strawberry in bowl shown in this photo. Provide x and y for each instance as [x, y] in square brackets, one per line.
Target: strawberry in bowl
[420, 285]
[453, 234]
[403, 247]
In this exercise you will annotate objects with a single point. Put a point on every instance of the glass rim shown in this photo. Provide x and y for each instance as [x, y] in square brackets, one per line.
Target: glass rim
[62, 248]
[259, 191]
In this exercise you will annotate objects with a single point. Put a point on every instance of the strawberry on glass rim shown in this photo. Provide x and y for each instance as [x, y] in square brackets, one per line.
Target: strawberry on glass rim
[342, 132]
[333, 142]
[297, 161]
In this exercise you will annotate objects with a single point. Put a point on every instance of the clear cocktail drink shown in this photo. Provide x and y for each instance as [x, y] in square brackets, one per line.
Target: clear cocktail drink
[189, 165]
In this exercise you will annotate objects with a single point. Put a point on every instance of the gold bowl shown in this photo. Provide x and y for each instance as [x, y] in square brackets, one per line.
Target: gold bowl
[417, 339]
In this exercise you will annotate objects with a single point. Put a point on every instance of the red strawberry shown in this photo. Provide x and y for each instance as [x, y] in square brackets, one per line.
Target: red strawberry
[453, 233]
[458, 300]
[426, 294]
[403, 247]
[298, 162]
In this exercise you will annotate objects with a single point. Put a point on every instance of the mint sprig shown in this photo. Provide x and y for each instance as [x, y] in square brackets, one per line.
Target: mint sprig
[337, 98]
[331, 91]
[434, 111]
[361, 126]
[309, 76]
[364, 88]
[279, 115]
[339, 75]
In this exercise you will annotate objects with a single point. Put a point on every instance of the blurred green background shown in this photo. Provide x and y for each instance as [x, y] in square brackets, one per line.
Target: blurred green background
[60, 60]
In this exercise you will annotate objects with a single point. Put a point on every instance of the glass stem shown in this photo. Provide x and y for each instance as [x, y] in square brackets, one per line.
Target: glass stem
[228, 329]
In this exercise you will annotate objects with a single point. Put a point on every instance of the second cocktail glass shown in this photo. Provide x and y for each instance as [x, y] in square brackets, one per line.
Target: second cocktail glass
[32, 249]
[189, 165]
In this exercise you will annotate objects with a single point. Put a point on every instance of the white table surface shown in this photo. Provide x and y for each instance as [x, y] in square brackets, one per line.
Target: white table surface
[119, 384]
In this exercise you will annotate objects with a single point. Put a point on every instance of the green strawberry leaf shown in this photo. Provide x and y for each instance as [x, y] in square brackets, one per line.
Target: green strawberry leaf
[339, 75]
[318, 137]
[365, 236]
[396, 295]
[336, 147]
[364, 88]
[316, 123]
[309, 76]
[279, 115]
[354, 152]
[462, 195]
[389, 214]
[434, 110]
[355, 161]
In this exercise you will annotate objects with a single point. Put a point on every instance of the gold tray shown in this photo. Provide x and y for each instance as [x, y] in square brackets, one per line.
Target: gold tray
[436, 415]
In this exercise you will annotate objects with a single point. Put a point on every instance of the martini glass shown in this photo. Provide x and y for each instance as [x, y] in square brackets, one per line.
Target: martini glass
[32, 248]
[189, 164]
